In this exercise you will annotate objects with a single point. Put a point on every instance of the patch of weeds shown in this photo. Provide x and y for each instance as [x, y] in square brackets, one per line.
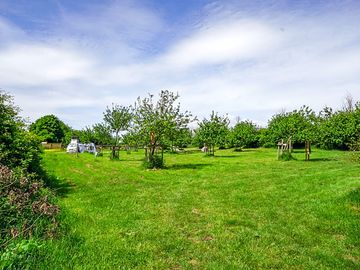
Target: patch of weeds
[286, 156]
[154, 162]
[17, 254]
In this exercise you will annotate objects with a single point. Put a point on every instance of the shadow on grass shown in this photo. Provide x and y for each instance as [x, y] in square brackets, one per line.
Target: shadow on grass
[228, 156]
[298, 151]
[320, 159]
[354, 196]
[187, 166]
[61, 187]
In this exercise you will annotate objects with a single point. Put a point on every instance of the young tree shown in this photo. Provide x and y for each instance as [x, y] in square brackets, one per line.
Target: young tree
[118, 119]
[213, 132]
[157, 121]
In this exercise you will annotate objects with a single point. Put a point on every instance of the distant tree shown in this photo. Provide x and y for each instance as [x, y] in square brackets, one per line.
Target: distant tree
[118, 119]
[299, 125]
[213, 132]
[244, 134]
[157, 121]
[132, 139]
[339, 130]
[349, 103]
[102, 134]
[184, 138]
[49, 128]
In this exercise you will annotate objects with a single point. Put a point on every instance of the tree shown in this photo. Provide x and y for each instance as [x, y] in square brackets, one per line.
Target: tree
[244, 134]
[299, 125]
[118, 119]
[340, 129]
[132, 139]
[102, 134]
[157, 121]
[184, 138]
[49, 128]
[18, 148]
[213, 132]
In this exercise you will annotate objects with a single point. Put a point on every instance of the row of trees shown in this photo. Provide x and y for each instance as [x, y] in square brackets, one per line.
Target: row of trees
[160, 124]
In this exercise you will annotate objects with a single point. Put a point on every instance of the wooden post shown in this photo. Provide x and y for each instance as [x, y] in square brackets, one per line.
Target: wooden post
[307, 150]
[278, 152]
[162, 155]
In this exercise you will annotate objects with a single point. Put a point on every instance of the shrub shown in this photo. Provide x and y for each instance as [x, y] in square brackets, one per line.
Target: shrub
[355, 147]
[18, 254]
[18, 148]
[286, 156]
[26, 207]
[154, 162]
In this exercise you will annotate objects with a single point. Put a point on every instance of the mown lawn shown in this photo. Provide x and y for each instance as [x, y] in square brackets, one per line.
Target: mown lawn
[238, 210]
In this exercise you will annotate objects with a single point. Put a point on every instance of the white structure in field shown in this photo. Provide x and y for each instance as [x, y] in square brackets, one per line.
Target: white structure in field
[76, 147]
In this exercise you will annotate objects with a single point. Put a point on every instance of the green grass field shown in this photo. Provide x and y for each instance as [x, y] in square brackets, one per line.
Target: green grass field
[237, 210]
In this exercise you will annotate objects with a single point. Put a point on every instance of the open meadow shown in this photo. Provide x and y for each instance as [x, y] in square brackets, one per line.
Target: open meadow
[237, 210]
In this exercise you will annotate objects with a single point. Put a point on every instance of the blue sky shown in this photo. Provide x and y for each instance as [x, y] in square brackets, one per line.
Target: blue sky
[250, 59]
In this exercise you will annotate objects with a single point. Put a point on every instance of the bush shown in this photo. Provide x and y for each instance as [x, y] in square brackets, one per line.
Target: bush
[18, 254]
[154, 162]
[286, 156]
[355, 147]
[26, 207]
[18, 148]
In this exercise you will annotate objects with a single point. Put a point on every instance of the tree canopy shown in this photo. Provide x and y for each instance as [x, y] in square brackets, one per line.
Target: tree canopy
[49, 128]
[244, 134]
[213, 132]
[157, 121]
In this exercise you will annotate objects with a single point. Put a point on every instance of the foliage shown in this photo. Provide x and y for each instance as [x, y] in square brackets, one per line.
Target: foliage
[159, 121]
[18, 148]
[213, 132]
[18, 254]
[132, 139]
[26, 207]
[117, 118]
[23, 201]
[340, 129]
[101, 134]
[184, 138]
[286, 156]
[244, 135]
[49, 128]
[299, 125]
[154, 162]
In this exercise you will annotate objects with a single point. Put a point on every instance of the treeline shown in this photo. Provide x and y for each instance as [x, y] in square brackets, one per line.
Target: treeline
[327, 129]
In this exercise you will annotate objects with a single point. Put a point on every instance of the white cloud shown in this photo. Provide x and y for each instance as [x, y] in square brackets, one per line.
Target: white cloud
[228, 41]
[40, 65]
